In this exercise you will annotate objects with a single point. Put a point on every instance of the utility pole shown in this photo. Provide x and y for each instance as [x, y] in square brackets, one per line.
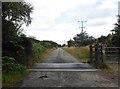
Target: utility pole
[119, 8]
[82, 26]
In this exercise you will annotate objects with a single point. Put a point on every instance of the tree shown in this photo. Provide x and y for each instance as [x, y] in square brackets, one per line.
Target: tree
[9, 32]
[83, 39]
[70, 43]
[17, 12]
[105, 40]
[116, 34]
[102, 39]
[14, 15]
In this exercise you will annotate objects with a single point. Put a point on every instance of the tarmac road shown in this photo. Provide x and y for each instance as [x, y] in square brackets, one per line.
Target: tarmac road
[60, 69]
[65, 79]
[60, 56]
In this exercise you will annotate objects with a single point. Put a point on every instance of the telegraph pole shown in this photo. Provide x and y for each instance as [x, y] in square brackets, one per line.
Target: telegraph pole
[119, 8]
[82, 26]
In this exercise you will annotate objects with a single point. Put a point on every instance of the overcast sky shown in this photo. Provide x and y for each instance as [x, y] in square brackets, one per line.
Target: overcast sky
[57, 20]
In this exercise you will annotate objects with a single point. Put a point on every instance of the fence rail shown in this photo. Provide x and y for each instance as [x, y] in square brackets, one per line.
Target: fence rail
[112, 51]
[102, 52]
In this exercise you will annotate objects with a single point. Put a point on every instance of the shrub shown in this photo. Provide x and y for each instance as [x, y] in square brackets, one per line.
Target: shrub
[38, 49]
[9, 64]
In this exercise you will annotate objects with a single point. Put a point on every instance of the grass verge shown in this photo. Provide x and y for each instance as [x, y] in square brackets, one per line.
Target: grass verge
[81, 53]
[39, 56]
[11, 77]
[45, 54]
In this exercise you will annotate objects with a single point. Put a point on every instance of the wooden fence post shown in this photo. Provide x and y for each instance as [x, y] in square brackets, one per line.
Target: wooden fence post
[103, 52]
[91, 54]
[97, 53]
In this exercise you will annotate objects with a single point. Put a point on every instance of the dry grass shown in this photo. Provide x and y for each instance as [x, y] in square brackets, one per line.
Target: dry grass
[10, 78]
[114, 69]
[44, 54]
[41, 57]
[81, 53]
[111, 73]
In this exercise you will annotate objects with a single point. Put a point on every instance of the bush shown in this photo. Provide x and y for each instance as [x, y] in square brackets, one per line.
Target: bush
[11, 71]
[9, 64]
[38, 49]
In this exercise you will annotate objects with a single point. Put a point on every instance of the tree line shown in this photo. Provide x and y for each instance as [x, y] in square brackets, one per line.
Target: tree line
[18, 49]
[112, 40]
[83, 39]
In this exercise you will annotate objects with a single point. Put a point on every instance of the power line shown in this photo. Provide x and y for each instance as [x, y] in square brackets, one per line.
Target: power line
[82, 26]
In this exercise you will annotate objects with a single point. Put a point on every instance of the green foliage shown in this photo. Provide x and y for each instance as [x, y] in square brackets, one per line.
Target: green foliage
[49, 44]
[70, 43]
[102, 39]
[16, 48]
[11, 70]
[114, 38]
[38, 49]
[106, 40]
[19, 12]
[9, 32]
[26, 43]
[14, 15]
[9, 78]
[116, 34]
[83, 39]
[46, 43]
[63, 45]
[9, 64]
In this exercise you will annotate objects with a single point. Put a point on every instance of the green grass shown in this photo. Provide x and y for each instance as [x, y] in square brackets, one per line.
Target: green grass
[38, 49]
[0, 78]
[81, 53]
[38, 53]
[11, 71]
[10, 78]
[17, 73]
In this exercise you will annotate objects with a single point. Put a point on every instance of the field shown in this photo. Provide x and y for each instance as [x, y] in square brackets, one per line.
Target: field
[81, 53]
